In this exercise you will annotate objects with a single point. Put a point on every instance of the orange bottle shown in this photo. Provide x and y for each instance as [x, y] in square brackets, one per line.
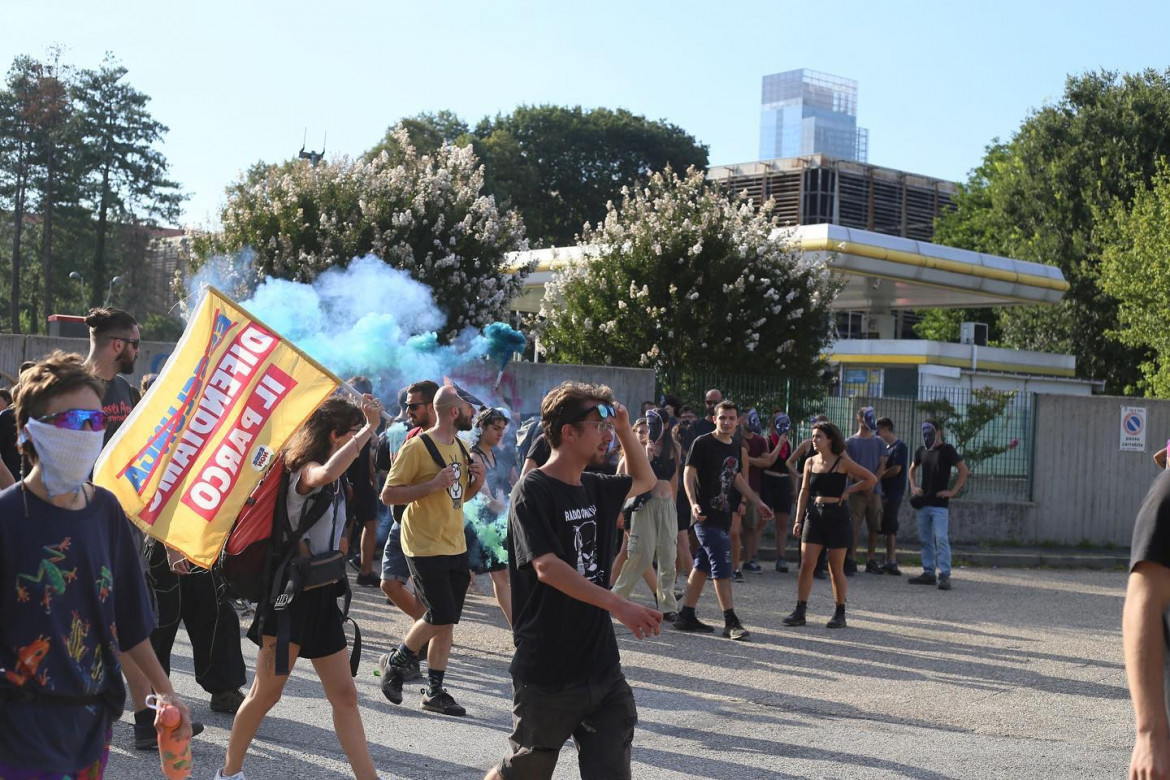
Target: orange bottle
[174, 754]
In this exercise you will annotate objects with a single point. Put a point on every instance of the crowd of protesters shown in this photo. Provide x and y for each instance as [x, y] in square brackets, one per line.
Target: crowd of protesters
[564, 516]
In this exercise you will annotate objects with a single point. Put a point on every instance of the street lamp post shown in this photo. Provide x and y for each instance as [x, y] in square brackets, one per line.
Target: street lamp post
[110, 288]
[80, 286]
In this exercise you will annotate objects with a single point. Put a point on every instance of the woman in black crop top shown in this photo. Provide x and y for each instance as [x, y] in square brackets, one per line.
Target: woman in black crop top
[822, 516]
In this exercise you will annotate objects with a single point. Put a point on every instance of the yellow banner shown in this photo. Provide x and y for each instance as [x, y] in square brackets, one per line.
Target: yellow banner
[227, 400]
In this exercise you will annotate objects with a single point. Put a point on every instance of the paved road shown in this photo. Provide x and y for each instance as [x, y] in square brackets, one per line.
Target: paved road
[1013, 674]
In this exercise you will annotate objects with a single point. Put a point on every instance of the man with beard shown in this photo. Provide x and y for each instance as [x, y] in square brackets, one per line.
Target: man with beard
[113, 348]
[419, 408]
[434, 544]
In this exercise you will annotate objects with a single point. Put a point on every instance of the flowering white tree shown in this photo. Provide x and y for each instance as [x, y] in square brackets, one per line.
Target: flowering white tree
[422, 213]
[681, 276]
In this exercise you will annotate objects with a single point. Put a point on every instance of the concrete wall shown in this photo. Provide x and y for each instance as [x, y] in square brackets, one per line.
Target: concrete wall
[522, 386]
[1084, 487]
[15, 349]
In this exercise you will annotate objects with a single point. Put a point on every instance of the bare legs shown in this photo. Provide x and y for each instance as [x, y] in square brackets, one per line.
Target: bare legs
[503, 592]
[266, 691]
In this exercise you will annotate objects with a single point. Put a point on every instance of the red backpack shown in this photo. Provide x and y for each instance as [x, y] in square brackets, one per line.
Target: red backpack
[245, 559]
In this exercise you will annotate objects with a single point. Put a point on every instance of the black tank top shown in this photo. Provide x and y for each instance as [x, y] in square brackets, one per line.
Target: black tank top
[664, 467]
[828, 484]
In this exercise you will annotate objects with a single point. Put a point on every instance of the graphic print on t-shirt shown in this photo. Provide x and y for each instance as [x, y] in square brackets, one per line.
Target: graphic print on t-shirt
[456, 488]
[584, 522]
[722, 502]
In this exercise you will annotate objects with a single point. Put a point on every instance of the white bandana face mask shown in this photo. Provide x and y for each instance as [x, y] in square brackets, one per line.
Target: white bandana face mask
[66, 456]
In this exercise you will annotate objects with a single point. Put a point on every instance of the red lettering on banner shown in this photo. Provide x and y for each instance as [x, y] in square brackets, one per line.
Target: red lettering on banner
[251, 346]
[220, 473]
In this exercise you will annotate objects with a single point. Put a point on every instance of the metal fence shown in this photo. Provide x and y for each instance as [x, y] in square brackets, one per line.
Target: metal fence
[1005, 475]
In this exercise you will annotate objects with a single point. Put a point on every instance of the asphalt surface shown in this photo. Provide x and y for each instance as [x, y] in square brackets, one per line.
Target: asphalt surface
[1015, 673]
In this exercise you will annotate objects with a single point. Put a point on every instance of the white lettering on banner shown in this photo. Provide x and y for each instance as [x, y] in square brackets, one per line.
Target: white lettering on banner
[219, 474]
[221, 393]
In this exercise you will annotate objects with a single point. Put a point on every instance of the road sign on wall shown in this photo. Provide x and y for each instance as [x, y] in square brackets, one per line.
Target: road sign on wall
[1133, 429]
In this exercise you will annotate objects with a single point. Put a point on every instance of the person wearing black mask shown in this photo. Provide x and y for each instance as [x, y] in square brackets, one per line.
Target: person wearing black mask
[930, 477]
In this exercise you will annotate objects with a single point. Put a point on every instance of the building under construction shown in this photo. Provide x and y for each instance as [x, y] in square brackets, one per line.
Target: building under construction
[817, 189]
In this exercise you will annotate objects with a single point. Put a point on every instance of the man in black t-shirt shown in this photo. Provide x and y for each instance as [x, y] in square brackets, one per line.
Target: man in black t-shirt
[562, 523]
[934, 461]
[1145, 636]
[714, 473]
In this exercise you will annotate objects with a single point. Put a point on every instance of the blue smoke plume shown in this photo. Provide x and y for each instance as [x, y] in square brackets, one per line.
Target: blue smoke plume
[369, 319]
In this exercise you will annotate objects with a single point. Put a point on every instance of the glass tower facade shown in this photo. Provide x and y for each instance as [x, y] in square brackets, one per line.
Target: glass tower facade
[806, 112]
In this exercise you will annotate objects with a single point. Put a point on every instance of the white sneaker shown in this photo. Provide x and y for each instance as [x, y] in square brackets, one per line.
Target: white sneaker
[219, 775]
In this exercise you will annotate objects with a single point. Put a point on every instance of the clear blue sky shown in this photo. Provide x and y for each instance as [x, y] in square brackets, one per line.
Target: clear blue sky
[238, 82]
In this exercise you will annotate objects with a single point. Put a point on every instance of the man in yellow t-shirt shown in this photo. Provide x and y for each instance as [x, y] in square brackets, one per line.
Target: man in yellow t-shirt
[433, 541]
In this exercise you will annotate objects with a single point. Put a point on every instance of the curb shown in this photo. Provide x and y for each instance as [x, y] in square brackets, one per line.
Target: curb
[1053, 558]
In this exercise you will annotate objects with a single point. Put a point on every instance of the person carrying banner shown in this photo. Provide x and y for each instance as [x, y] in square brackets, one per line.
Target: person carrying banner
[316, 456]
[76, 603]
[433, 475]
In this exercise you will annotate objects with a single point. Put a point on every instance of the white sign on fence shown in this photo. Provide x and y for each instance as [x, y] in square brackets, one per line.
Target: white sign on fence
[1133, 429]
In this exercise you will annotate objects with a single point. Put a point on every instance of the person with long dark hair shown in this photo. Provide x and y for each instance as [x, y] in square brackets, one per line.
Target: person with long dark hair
[822, 517]
[486, 515]
[316, 457]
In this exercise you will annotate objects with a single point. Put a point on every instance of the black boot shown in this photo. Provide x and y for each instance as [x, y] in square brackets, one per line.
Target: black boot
[838, 620]
[797, 616]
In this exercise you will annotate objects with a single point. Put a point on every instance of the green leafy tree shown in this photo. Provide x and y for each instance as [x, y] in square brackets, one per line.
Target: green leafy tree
[127, 175]
[427, 133]
[967, 430]
[682, 276]
[559, 166]
[1136, 272]
[1041, 195]
[425, 214]
[17, 145]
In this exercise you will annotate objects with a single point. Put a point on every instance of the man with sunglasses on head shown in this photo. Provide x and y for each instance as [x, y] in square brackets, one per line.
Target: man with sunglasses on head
[562, 528]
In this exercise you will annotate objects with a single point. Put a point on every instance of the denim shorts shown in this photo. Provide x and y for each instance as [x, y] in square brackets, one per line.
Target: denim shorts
[714, 556]
[393, 560]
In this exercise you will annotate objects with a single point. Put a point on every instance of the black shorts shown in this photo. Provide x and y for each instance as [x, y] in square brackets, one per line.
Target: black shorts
[315, 623]
[776, 492]
[440, 582]
[890, 508]
[827, 525]
[599, 714]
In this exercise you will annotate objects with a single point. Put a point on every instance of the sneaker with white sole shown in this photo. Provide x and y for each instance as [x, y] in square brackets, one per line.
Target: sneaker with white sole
[219, 775]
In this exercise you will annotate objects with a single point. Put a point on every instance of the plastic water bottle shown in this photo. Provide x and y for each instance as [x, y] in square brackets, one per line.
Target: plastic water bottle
[174, 754]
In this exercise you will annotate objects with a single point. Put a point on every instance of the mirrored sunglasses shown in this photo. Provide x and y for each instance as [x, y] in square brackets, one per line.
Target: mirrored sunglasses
[75, 419]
